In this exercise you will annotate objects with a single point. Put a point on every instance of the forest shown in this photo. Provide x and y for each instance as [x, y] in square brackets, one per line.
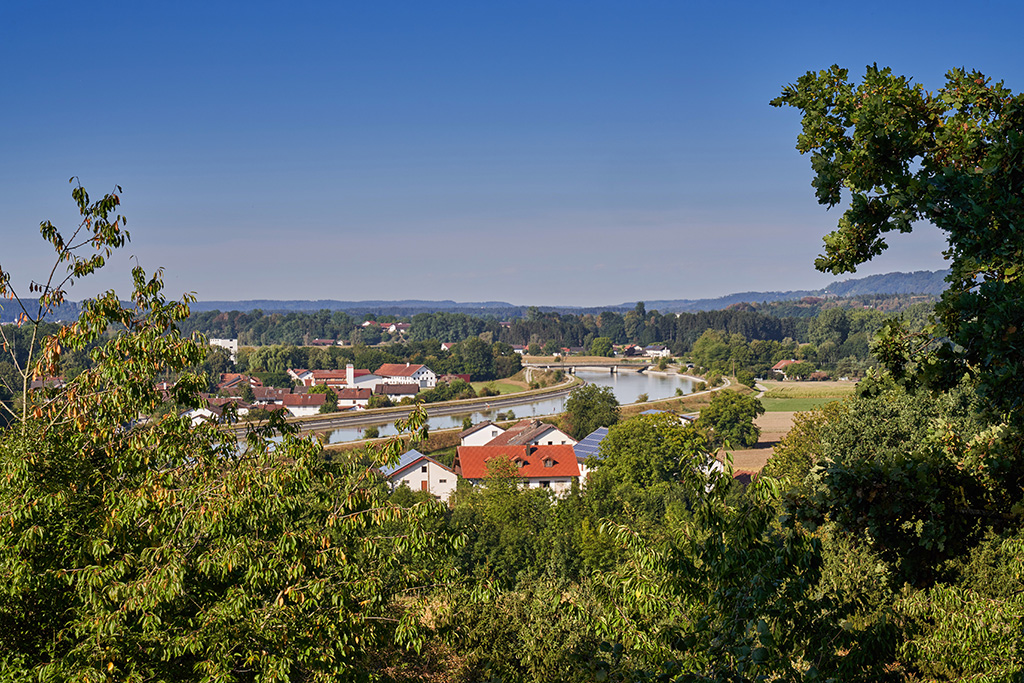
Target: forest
[884, 541]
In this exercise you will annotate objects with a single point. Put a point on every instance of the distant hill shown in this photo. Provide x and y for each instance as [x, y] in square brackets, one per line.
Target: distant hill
[919, 282]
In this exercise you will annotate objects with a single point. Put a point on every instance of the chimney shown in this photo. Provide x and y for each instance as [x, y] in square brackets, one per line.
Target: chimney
[350, 375]
[406, 363]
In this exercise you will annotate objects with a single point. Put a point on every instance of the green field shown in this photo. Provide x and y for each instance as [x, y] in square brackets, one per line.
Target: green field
[776, 405]
[500, 387]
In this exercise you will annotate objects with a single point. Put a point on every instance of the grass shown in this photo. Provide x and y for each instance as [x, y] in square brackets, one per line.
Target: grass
[500, 387]
[777, 405]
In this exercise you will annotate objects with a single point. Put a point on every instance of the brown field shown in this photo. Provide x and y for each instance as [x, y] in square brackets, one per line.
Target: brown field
[773, 426]
[830, 389]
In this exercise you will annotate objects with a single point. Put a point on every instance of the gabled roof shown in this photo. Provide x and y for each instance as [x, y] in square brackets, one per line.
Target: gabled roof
[398, 370]
[521, 433]
[329, 374]
[350, 394]
[410, 459]
[407, 389]
[303, 400]
[472, 460]
[269, 393]
[782, 363]
[476, 428]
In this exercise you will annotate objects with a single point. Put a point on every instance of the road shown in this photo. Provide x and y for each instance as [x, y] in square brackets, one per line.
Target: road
[366, 418]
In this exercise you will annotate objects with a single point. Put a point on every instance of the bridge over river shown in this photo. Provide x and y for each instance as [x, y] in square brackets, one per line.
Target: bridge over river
[571, 368]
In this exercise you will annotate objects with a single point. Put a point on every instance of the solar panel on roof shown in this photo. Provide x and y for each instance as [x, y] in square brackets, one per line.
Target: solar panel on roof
[590, 443]
[404, 461]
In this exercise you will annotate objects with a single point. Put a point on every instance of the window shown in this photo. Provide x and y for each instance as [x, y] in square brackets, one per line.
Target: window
[423, 469]
[545, 484]
[442, 481]
[548, 462]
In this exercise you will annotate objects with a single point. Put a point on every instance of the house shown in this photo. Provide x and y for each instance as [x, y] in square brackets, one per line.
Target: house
[302, 405]
[519, 348]
[421, 473]
[350, 397]
[349, 377]
[481, 434]
[657, 351]
[548, 467]
[233, 382]
[447, 346]
[396, 392]
[213, 410]
[631, 350]
[532, 432]
[399, 327]
[780, 367]
[264, 396]
[230, 344]
[397, 373]
[448, 379]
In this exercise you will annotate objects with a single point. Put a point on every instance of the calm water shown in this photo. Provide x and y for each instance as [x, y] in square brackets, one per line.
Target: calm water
[626, 386]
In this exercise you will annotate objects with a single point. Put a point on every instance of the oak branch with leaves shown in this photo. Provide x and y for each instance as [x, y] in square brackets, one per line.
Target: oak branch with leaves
[953, 157]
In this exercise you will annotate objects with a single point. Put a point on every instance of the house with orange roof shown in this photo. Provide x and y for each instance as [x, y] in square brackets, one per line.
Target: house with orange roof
[548, 467]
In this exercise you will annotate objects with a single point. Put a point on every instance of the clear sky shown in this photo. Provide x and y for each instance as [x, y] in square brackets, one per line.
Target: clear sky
[550, 153]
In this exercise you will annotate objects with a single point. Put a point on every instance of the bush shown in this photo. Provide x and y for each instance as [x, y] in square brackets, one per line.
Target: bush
[372, 433]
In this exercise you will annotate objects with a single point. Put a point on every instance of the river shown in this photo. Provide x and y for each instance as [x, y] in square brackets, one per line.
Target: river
[627, 387]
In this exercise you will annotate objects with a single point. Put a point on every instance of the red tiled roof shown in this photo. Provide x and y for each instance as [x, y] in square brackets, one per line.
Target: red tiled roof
[782, 363]
[303, 400]
[353, 394]
[329, 374]
[473, 460]
[397, 370]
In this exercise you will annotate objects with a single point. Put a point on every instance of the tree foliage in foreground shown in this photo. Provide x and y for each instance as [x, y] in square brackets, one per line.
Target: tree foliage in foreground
[145, 550]
[954, 157]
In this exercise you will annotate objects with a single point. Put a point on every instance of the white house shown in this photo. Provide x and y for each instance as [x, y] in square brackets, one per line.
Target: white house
[302, 405]
[230, 344]
[422, 473]
[398, 373]
[657, 351]
[481, 434]
[348, 397]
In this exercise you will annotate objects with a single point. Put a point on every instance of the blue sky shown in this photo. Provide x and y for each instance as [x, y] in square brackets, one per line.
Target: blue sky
[552, 153]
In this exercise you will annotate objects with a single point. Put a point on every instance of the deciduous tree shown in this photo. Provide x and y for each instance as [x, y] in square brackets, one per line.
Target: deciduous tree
[954, 157]
[155, 550]
[729, 419]
[589, 407]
